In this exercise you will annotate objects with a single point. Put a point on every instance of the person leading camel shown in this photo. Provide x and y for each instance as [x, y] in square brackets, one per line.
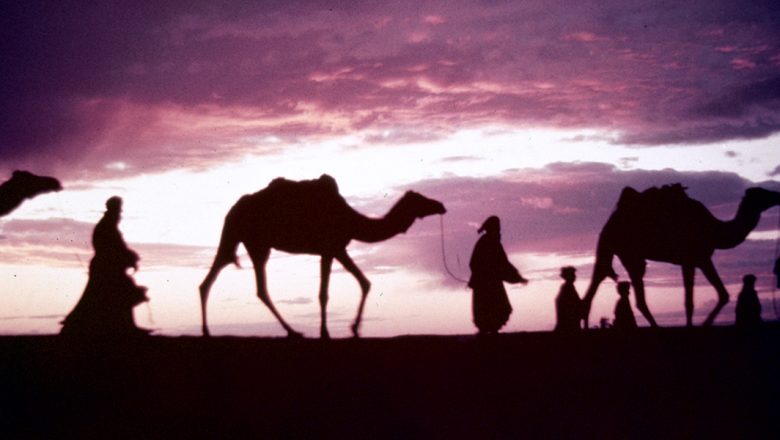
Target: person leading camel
[490, 268]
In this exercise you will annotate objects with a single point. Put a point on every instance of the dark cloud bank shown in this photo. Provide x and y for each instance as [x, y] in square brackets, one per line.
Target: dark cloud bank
[163, 85]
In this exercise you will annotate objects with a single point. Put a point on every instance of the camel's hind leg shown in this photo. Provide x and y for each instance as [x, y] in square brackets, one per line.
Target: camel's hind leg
[205, 288]
[259, 258]
[365, 287]
[689, 275]
[325, 265]
[723, 295]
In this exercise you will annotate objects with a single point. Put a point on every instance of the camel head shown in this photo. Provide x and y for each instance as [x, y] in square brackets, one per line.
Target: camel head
[29, 185]
[420, 206]
[761, 199]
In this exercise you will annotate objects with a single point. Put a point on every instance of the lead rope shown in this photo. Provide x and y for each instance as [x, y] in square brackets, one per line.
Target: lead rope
[444, 255]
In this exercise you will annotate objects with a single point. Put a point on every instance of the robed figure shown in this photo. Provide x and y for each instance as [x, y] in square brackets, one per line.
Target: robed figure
[490, 268]
[106, 307]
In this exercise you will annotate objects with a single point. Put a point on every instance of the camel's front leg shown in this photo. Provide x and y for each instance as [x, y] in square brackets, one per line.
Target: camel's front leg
[723, 295]
[325, 265]
[365, 286]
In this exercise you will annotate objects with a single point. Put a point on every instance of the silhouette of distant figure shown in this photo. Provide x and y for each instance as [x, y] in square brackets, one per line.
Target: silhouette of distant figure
[490, 268]
[567, 303]
[748, 306]
[624, 316]
[24, 185]
[664, 224]
[307, 217]
[106, 307]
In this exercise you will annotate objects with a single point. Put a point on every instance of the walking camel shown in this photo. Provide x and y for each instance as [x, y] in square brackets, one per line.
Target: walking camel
[664, 224]
[24, 185]
[307, 217]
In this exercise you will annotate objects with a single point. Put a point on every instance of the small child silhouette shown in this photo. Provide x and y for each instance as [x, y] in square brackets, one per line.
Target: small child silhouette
[568, 303]
[624, 316]
[748, 306]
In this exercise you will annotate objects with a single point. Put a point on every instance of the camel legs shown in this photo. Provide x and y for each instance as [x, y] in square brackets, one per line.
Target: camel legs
[688, 274]
[259, 259]
[325, 266]
[205, 288]
[365, 286]
[636, 271]
[723, 296]
[587, 300]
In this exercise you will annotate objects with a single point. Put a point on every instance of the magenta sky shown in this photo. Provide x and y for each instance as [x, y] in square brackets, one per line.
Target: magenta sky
[537, 111]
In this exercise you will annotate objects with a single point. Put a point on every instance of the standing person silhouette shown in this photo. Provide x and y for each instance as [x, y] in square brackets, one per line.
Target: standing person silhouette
[624, 316]
[748, 311]
[568, 304]
[490, 268]
[106, 307]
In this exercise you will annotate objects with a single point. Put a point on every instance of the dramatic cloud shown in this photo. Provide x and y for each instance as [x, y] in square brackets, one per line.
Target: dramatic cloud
[118, 87]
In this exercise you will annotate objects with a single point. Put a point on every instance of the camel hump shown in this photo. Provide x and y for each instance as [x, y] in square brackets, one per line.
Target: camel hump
[324, 184]
[628, 198]
[653, 198]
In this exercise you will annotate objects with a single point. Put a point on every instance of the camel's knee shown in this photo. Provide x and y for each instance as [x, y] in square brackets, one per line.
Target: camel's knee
[641, 304]
[204, 291]
[264, 298]
[323, 299]
[365, 286]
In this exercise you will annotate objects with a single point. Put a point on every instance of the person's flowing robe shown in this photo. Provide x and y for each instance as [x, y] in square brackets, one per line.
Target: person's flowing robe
[490, 268]
[106, 306]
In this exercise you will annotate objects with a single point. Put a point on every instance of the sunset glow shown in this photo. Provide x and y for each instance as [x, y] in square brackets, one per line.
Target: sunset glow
[539, 112]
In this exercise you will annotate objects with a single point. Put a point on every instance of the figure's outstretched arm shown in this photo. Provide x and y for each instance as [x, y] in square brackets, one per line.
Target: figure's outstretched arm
[509, 272]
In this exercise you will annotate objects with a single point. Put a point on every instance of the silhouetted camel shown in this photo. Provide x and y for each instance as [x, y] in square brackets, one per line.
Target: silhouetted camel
[24, 185]
[308, 217]
[664, 224]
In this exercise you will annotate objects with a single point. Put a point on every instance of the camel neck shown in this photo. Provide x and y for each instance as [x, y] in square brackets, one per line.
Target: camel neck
[731, 233]
[372, 230]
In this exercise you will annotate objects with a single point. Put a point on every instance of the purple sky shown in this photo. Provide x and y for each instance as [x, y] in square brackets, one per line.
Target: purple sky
[537, 111]
[193, 81]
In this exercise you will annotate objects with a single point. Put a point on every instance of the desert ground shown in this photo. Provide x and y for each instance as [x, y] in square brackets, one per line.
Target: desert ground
[666, 383]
